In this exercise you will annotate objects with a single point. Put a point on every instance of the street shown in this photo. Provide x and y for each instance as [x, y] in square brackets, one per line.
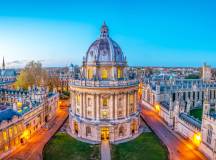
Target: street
[179, 148]
[33, 149]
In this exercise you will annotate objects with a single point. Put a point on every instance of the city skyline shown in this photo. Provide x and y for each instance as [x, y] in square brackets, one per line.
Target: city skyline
[150, 34]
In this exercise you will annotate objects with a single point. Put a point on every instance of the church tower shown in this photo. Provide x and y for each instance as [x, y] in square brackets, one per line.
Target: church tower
[3, 64]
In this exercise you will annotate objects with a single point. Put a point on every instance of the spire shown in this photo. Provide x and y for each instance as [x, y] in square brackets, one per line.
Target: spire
[3, 64]
[104, 30]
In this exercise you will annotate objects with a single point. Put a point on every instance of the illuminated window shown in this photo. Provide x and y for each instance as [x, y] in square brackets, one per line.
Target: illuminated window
[78, 99]
[105, 102]
[15, 130]
[131, 99]
[119, 73]
[5, 135]
[10, 132]
[90, 73]
[104, 74]
[104, 114]
[6, 147]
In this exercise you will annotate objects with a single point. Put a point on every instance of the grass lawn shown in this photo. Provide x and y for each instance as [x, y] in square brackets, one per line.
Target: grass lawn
[64, 147]
[197, 113]
[146, 146]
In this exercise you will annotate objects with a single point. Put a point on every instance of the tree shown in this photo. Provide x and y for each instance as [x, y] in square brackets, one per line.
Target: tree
[32, 74]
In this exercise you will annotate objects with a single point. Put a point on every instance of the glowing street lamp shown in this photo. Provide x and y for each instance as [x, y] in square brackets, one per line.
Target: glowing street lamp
[157, 107]
[197, 139]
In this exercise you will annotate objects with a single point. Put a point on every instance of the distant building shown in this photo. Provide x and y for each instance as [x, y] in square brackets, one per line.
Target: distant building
[206, 73]
[7, 76]
[174, 99]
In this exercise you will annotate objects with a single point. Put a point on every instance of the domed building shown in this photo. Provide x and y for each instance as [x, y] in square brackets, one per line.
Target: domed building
[104, 100]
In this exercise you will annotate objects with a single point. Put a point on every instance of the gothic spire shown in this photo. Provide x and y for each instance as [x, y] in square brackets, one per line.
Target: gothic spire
[3, 64]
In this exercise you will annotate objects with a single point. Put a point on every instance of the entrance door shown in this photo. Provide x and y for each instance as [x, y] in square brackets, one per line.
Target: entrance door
[105, 133]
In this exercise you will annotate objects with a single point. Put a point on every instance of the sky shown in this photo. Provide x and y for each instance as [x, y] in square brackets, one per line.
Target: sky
[150, 32]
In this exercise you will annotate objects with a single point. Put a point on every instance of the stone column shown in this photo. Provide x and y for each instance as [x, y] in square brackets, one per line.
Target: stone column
[94, 106]
[97, 107]
[127, 104]
[116, 110]
[135, 101]
[84, 105]
[111, 106]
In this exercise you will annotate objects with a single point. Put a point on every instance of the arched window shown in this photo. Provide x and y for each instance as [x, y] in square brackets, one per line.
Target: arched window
[119, 73]
[78, 99]
[76, 127]
[104, 74]
[121, 131]
[88, 131]
[90, 73]
[131, 98]
[209, 134]
[105, 102]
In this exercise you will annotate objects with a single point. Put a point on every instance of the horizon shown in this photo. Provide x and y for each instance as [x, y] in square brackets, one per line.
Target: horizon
[150, 34]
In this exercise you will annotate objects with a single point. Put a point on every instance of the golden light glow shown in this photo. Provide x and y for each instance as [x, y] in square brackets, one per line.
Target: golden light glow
[105, 102]
[119, 73]
[26, 134]
[19, 104]
[104, 74]
[197, 138]
[90, 73]
[104, 114]
[157, 107]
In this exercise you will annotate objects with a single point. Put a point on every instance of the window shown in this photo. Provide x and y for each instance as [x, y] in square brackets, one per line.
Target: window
[119, 73]
[5, 135]
[131, 99]
[78, 100]
[10, 132]
[105, 102]
[120, 113]
[88, 131]
[89, 113]
[209, 135]
[104, 74]
[90, 73]
[89, 102]
[104, 114]
[121, 131]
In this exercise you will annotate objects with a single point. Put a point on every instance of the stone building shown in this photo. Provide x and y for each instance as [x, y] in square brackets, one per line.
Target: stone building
[7, 76]
[22, 113]
[104, 99]
[174, 99]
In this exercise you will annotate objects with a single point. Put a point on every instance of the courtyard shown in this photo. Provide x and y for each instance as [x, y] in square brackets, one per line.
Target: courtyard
[197, 113]
[64, 147]
[146, 146]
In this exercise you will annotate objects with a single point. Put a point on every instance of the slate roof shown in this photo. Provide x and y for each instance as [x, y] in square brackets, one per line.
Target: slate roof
[8, 114]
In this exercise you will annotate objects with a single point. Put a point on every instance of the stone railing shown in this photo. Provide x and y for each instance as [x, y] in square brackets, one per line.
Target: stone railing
[110, 83]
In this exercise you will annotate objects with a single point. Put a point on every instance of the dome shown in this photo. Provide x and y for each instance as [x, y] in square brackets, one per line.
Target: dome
[104, 49]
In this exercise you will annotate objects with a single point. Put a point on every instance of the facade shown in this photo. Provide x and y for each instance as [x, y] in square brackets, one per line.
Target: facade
[174, 99]
[104, 98]
[7, 76]
[22, 113]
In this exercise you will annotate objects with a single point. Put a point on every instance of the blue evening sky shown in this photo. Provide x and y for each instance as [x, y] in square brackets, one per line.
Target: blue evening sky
[150, 32]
